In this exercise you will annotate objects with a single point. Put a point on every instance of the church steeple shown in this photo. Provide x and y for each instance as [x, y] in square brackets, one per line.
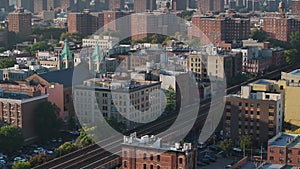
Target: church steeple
[66, 57]
[97, 61]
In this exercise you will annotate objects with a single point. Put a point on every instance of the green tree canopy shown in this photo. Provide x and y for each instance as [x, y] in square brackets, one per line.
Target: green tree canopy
[39, 159]
[226, 145]
[170, 100]
[43, 45]
[259, 35]
[291, 56]
[47, 121]
[246, 142]
[11, 138]
[7, 62]
[65, 148]
[21, 165]
[84, 139]
[71, 36]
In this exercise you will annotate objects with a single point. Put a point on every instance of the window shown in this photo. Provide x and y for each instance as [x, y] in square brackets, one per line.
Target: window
[271, 106]
[125, 164]
[271, 158]
[281, 159]
[158, 167]
[240, 103]
[145, 156]
[258, 105]
[271, 114]
[281, 87]
[151, 166]
[125, 153]
[271, 150]
[180, 160]
[151, 156]
[145, 166]
[289, 151]
[252, 105]
[271, 122]
[281, 151]
[268, 96]
[246, 104]
[258, 113]
[158, 157]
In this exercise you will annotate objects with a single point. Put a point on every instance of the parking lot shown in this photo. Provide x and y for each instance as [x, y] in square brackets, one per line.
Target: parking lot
[26, 152]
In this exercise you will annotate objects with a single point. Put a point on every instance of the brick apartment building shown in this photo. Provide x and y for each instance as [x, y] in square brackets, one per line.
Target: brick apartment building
[18, 108]
[150, 153]
[85, 22]
[143, 5]
[295, 5]
[179, 5]
[284, 148]
[280, 25]
[144, 25]
[205, 6]
[257, 111]
[113, 22]
[226, 27]
[116, 4]
[20, 22]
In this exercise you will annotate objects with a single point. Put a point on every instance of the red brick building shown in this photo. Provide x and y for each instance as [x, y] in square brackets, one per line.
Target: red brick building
[85, 23]
[295, 5]
[143, 5]
[179, 5]
[205, 6]
[20, 22]
[223, 27]
[18, 108]
[116, 4]
[146, 24]
[113, 22]
[257, 112]
[149, 152]
[284, 148]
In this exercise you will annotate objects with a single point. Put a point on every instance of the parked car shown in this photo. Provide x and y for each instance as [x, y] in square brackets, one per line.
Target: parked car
[201, 145]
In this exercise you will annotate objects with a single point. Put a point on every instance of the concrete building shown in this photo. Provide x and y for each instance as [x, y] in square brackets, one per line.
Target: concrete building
[18, 109]
[257, 111]
[284, 149]
[119, 99]
[150, 152]
[20, 22]
[86, 23]
[14, 73]
[105, 43]
[143, 5]
[226, 27]
[291, 86]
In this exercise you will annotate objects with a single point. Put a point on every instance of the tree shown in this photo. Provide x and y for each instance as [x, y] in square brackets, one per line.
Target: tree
[65, 148]
[7, 62]
[291, 56]
[39, 159]
[43, 45]
[71, 36]
[84, 139]
[227, 145]
[245, 142]
[259, 35]
[295, 41]
[11, 138]
[170, 100]
[21, 165]
[47, 121]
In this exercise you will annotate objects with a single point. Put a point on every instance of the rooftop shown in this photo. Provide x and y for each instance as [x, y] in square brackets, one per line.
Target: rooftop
[154, 142]
[263, 82]
[284, 139]
[295, 72]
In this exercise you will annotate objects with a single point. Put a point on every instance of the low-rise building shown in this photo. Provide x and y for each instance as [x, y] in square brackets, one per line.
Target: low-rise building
[18, 109]
[284, 148]
[150, 152]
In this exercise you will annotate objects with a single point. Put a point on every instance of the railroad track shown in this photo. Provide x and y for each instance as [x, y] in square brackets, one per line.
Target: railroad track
[93, 156]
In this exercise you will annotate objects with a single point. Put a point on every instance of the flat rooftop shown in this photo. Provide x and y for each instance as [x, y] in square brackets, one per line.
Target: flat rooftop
[263, 82]
[14, 95]
[284, 139]
[295, 72]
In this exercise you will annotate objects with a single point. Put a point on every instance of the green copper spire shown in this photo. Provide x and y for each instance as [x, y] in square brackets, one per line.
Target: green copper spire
[97, 54]
[66, 53]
